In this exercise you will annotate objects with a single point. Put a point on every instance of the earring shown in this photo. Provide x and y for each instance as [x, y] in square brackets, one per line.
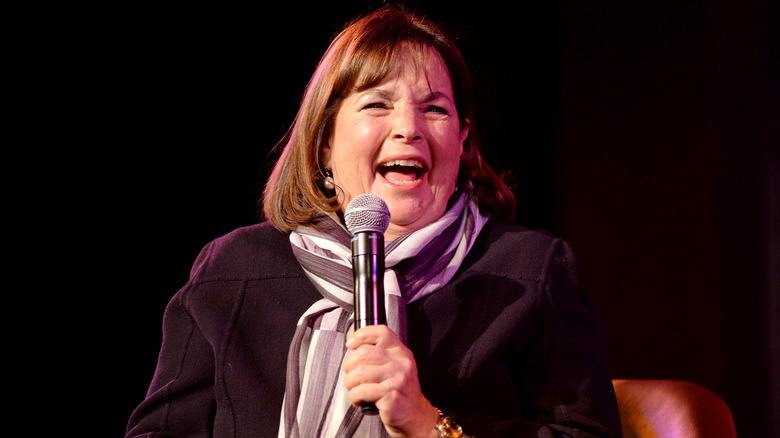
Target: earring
[328, 183]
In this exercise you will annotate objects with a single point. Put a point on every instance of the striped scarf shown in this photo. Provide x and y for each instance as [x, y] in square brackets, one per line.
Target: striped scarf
[316, 403]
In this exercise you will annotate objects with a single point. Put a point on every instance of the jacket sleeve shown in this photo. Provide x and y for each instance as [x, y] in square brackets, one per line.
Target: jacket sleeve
[579, 399]
[180, 400]
[563, 377]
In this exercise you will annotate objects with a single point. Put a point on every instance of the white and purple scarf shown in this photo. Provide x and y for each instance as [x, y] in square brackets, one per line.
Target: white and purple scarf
[416, 265]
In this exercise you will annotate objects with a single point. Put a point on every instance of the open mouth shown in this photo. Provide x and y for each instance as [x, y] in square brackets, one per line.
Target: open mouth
[402, 172]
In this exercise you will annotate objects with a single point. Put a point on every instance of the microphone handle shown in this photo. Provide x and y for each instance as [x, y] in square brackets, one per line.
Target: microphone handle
[368, 268]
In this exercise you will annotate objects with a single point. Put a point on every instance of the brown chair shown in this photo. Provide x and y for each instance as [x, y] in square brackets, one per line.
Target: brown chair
[671, 409]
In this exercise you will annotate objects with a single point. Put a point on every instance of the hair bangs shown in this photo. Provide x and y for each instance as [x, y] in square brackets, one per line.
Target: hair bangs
[372, 66]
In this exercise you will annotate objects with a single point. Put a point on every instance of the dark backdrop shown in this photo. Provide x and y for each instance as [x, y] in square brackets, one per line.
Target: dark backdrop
[645, 133]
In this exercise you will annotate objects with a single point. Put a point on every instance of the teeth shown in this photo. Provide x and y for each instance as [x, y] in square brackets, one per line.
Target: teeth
[405, 163]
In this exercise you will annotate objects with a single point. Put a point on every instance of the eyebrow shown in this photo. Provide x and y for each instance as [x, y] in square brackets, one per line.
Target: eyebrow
[434, 96]
[389, 95]
[381, 93]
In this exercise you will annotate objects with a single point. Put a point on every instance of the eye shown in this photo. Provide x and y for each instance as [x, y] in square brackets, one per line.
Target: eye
[375, 105]
[436, 109]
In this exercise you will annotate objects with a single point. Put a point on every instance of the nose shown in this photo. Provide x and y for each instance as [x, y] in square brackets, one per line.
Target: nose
[406, 125]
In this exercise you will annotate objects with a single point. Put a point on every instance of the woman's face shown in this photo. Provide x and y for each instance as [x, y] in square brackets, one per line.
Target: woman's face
[402, 141]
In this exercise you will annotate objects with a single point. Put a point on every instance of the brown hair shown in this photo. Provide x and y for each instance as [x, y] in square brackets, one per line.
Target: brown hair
[357, 59]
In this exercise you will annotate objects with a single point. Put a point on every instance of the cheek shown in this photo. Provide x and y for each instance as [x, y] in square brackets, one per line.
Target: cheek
[448, 177]
[357, 136]
[448, 158]
[354, 160]
[354, 145]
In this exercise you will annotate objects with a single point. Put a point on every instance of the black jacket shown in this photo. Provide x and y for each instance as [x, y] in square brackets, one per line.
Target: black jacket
[511, 347]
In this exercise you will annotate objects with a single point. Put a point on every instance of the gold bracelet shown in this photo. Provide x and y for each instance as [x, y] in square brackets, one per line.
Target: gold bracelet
[447, 427]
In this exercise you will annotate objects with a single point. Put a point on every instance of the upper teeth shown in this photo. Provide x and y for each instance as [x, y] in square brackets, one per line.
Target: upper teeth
[405, 163]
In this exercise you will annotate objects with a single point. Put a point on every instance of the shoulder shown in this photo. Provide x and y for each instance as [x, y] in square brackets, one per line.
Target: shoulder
[504, 232]
[249, 252]
[509, 249]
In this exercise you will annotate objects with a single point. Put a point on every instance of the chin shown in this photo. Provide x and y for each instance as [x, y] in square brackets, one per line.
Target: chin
[415, 218]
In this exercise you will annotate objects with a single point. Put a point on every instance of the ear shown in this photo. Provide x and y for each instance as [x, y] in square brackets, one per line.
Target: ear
[326, 157]
[464, 130]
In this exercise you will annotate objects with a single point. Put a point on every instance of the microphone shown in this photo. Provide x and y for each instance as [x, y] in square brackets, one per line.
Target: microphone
[367, 218]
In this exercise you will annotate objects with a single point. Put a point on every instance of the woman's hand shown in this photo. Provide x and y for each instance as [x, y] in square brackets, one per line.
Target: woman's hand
[380, 369]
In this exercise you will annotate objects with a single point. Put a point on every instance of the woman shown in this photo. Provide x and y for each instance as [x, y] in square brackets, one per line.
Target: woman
[489, 325]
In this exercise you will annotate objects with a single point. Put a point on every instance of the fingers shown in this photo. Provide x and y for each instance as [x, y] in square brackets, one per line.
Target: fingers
[379, 335]
[374, 346]
[370, 346]
[366, 369]
[389, 381]
[380, 369]
[366, 359]
[379, 366]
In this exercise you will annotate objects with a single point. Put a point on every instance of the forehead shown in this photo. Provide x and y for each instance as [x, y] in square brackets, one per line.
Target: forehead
[423, 67]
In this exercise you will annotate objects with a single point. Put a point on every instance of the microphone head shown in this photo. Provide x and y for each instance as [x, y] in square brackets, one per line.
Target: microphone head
[367, 212]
